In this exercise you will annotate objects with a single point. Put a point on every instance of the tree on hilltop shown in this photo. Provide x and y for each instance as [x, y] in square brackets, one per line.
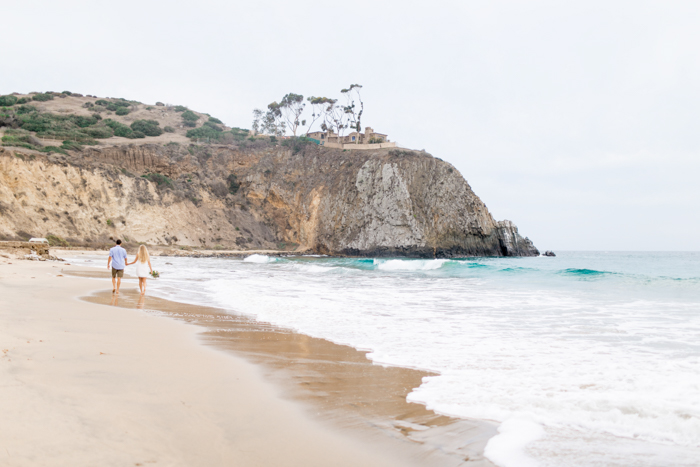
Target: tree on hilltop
[291, 107]
[268, 123]
[354, 114]
[320, 107]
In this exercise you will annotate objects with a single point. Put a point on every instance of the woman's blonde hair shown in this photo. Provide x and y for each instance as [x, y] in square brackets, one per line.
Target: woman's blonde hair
[143, 255]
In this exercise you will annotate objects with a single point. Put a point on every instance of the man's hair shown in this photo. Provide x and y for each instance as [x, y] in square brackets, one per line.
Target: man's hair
[119, 242]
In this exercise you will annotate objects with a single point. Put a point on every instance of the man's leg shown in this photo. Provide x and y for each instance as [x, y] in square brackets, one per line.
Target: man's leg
[119, 283]
[114, 284]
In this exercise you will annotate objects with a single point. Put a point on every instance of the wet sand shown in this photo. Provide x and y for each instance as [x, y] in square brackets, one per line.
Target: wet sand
[335, 383]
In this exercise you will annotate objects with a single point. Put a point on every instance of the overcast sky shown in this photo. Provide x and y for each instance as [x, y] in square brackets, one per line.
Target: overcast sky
[576, 120]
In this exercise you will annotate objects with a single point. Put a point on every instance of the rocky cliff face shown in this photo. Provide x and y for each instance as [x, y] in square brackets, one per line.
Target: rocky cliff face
[374, 203]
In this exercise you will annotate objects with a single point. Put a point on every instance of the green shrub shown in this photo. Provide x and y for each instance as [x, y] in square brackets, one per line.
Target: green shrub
[147, 127]
[190, 124]
[23, 100]
[122, 111]
[110, 223]
[25, 109]
[71, 146]
[88, 105]
[180, 108]
[215, 120]
[99, 132]
[43, 97]
[233, 184]
[67, 93]
[55, 240]
[8, 101]
[53, 149]
[16, 137]
[68, 127]
[213, 126]
[122, 130]
[84, 122]
[169, 129]
[102, 102]
[159, 179]
[20, 145]
[297, 144]
[189, 116]
[118, 128]
[239, 134]
[204, 132]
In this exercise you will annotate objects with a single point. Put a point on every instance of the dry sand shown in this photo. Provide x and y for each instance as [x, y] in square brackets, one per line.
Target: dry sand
[88, 384]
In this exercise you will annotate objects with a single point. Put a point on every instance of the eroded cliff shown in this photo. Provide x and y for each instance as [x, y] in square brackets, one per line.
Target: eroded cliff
[374, 203]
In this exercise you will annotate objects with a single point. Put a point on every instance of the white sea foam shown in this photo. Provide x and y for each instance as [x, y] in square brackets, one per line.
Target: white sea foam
[258, 259]
[409, 265]
[507, 449]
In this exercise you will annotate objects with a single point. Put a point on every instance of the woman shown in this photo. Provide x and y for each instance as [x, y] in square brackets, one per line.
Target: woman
[142, 260]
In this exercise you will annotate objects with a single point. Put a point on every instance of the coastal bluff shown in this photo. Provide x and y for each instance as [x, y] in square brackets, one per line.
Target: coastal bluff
[306, 199]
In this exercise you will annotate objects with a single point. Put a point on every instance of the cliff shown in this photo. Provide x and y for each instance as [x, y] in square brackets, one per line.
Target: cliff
[307, 198]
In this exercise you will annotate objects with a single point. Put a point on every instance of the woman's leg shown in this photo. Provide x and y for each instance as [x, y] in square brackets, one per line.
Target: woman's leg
[144, 285]
[142, 282]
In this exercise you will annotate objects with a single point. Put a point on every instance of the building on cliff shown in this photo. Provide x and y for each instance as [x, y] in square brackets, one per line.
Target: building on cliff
[355, 140]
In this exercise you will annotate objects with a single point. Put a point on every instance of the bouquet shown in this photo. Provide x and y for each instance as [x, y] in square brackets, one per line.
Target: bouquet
[155, 274]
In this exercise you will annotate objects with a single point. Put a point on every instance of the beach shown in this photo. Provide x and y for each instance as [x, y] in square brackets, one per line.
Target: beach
[86, 383]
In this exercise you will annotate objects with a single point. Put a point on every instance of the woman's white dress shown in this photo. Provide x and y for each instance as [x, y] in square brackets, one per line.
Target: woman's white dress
[142, 269]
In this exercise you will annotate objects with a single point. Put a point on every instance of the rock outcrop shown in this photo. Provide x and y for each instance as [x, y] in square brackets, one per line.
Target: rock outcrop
[363, 203]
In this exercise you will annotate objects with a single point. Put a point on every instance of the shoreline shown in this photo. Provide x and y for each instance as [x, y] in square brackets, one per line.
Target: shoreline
[379, 432]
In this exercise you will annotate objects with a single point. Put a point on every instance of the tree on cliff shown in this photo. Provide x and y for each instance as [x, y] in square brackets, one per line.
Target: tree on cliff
[320, 107]
[336, 119]
[291, 107]
[354, 114]
[268, 123]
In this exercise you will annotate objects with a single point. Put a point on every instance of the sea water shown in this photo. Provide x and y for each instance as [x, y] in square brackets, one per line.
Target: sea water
[585, 359]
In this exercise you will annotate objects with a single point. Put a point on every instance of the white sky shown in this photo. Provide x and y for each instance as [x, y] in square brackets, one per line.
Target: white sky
[576, 120]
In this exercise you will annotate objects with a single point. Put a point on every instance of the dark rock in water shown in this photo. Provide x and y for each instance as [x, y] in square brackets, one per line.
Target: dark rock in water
[548, 253]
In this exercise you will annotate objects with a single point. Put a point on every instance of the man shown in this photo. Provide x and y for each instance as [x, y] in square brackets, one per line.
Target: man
[117, 258]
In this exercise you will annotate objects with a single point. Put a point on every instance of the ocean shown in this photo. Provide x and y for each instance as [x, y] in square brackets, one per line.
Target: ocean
[585, 359]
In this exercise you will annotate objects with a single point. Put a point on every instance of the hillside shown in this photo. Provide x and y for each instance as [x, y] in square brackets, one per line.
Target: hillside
[56, 122]
[229, 191]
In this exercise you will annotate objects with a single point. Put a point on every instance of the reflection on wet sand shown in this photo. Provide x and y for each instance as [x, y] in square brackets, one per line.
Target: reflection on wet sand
[338, 382]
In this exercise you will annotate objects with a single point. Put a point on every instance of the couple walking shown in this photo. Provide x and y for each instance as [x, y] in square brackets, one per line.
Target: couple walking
[117, 262]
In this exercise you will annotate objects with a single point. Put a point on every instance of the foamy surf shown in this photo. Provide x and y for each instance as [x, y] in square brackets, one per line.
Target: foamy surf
[507, 449]
[261, 259]
[410, 265]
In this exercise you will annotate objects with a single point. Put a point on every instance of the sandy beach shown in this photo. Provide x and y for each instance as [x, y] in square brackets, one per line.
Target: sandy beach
[86, 383]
